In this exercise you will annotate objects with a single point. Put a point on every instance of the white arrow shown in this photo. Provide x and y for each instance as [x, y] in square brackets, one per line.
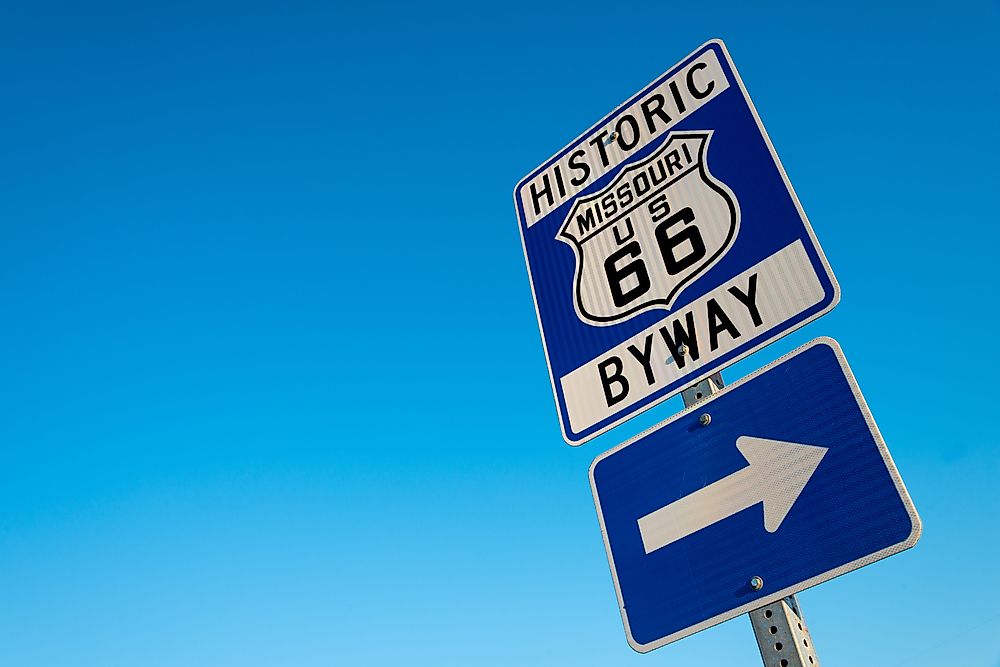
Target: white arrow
[777, 473]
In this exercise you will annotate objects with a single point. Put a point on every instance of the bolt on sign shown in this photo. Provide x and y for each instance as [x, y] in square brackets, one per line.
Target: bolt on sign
[664, 244]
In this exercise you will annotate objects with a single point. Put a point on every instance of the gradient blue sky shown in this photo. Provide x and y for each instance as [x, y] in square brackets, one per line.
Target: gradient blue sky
[271, 386]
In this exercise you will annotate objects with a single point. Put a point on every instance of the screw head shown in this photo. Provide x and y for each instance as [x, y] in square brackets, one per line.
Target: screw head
[756, 583]
[705, 419]
[682, 349]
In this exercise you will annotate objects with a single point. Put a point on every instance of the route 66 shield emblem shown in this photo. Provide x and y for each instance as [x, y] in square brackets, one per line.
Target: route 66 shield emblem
[658, 225]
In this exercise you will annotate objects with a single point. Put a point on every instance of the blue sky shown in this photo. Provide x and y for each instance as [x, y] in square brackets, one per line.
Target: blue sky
[271, 384]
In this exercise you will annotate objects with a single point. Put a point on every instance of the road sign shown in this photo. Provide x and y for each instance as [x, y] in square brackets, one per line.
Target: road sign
[782, 476]
[664, 244]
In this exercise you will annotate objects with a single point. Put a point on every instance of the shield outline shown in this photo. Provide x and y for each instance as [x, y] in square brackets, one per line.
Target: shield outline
[674, 294]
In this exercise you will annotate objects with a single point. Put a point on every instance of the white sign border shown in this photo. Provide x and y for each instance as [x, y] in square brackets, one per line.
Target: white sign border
[916, 525]
[712, 369]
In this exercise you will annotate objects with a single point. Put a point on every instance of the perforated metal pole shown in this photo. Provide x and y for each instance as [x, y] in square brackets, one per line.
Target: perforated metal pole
[782, 634]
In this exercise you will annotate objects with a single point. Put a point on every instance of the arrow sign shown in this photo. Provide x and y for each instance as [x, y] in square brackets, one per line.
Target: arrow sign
[681, 505]
[777, 473]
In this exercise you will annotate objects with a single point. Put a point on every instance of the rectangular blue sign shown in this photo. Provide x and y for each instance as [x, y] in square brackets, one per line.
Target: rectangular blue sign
[664, 244]
[782, 476]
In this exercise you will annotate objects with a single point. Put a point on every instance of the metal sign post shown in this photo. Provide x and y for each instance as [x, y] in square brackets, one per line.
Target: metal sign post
[783, 636]
[781, 631]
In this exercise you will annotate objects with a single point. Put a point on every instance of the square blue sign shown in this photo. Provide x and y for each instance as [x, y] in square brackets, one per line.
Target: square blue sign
[664, 244]
[782, 476]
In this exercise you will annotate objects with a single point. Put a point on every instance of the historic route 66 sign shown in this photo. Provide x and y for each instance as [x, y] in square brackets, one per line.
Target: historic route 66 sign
[664, 244]
[666, 207]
